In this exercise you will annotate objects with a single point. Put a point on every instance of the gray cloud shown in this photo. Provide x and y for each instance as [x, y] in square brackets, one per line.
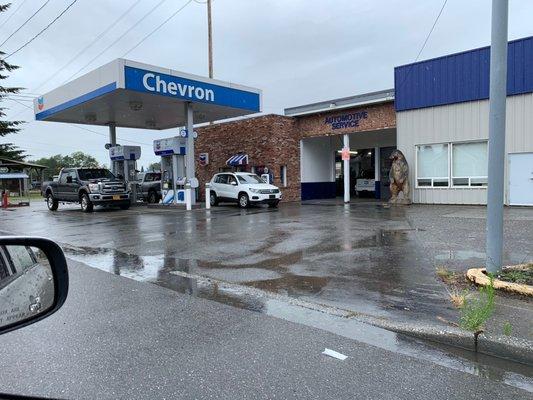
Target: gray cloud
[297, 51]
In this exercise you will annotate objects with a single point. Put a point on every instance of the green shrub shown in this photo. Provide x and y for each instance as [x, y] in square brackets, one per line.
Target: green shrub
[478, 309]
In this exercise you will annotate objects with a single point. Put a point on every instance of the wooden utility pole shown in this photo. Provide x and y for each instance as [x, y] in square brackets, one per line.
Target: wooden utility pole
[210, 38]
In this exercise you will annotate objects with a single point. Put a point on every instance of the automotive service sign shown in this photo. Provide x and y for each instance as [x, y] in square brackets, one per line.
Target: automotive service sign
[346, 120]
[162, 84]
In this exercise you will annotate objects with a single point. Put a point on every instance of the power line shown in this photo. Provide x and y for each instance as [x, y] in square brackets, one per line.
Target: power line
[87, 129]
[44, 29]
[13, 13]
[158, 27]
[112, 25]
[24, 23]
[116, 41]
[424, 44]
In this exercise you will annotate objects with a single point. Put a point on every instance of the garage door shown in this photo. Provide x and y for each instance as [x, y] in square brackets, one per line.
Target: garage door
[521, 179]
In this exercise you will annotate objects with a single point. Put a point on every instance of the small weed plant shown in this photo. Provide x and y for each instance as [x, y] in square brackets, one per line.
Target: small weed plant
[446, 275]
[478, 309]
[507, 328]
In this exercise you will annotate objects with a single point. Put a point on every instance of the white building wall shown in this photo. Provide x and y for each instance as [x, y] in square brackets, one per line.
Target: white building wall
[462, 122]
[317, 159]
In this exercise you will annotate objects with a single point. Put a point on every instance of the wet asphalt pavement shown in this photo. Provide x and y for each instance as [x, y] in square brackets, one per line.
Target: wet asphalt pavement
[363, 258]
[116, 338]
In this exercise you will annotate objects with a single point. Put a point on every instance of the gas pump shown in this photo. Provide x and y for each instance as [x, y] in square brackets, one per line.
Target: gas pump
[172, 151]
[124, 165]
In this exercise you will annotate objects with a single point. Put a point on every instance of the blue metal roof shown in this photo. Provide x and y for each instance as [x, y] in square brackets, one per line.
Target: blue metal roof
[461, 77]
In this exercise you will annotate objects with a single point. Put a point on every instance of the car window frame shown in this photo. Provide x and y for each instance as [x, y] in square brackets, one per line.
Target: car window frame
[234, 177]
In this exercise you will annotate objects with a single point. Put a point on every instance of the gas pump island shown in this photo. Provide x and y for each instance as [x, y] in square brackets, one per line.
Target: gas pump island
[124, 166]
[129, 94]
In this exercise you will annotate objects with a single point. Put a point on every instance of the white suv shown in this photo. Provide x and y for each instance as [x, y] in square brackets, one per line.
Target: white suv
[244, 188]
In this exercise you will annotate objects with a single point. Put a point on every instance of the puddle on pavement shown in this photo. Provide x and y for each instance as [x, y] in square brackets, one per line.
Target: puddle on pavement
[460, 255]
[161, 271]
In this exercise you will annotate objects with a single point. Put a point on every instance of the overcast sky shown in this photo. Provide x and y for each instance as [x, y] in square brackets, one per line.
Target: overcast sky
[296, 51]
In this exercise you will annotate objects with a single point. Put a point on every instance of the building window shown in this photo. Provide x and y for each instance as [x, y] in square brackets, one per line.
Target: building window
[283, 175]
[432, 165]
[469, 164]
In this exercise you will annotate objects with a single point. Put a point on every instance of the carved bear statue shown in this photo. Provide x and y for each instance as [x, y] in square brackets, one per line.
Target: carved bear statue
[399, 179]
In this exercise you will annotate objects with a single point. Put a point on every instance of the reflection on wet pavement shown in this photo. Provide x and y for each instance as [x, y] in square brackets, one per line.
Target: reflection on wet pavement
[176, 274]
[362, 257]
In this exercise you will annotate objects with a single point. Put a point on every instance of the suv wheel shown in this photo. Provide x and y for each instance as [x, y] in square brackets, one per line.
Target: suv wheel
[86, 204]
[152, 197]
[244, 201]
[51, 203]
[213, 199]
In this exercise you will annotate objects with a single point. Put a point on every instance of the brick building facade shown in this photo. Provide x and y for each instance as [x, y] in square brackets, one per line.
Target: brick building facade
[269, 141]
[274, 141]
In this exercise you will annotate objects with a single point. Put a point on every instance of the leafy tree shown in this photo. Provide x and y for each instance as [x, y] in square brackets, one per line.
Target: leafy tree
[77, 159]
[80, 159]
[6, 127]
[154, 166]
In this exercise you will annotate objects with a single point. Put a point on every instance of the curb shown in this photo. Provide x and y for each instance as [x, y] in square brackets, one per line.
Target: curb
[478, 276]
[507, 347]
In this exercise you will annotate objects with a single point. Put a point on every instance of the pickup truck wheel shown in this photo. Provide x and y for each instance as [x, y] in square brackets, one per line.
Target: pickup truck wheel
[152, 197]
[86, 204]
[51, 202]
[244, 201]
[213, 199]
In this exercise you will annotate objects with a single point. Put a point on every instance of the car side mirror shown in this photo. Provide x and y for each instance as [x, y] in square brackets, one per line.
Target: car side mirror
[233, 183]
[69, 179]
[33, 280]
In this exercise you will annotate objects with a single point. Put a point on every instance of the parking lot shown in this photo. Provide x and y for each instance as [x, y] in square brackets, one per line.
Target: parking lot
[363, 257]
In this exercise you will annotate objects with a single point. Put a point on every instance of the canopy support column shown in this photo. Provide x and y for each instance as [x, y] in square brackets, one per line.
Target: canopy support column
[190, 168]
[113, 142]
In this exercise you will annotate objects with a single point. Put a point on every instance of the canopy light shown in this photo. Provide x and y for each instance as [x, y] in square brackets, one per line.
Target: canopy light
[136, 105]
[90, 117]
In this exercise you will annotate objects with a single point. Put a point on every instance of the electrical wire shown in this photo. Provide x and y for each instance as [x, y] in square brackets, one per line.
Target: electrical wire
[116, 40]
[424, 44]
[86, 129]
[13, 13]
[158, 27]
[112, 25]
[25, 22]
[44, 29]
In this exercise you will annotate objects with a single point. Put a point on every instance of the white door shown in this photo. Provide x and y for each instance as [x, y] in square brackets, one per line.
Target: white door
[521, 179]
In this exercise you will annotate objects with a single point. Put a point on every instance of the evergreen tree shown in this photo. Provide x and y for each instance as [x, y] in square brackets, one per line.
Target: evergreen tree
[6, 127]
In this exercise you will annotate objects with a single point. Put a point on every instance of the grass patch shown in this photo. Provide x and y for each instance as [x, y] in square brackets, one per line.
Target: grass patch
[447, 276]
[523, 275]
[478, 309]
[507, 328]
[458, 298]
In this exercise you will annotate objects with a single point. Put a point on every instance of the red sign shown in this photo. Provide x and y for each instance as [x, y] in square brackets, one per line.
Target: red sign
[203, 159]
[345, 154]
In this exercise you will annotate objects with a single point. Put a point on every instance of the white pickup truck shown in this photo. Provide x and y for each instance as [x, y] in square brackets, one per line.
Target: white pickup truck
[363, 184]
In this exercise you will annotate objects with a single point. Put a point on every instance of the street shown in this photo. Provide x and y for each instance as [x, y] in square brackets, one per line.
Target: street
[227, 326]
